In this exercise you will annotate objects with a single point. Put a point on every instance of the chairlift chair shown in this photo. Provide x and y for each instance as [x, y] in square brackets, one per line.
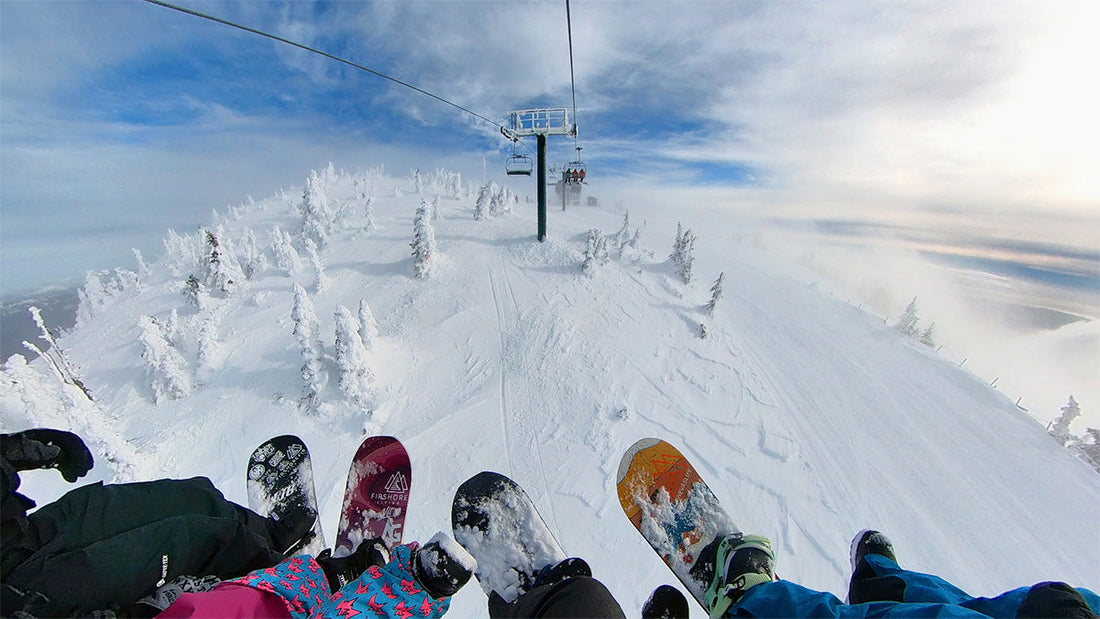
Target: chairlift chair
[518, 165]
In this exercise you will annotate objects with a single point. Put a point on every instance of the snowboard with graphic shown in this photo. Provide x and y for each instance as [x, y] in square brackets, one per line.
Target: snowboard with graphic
[675, 511]
[377, 495]
[495, 520]
[280, 480]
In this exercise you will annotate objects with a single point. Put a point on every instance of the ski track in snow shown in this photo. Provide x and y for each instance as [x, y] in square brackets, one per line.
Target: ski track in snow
[808, 418]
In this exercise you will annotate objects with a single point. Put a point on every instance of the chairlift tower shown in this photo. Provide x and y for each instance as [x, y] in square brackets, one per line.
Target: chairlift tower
[539, 123]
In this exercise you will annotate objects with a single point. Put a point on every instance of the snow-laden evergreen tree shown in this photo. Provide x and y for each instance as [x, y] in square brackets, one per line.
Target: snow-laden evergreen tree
[715, 294]
[683, 253]
[255, 259]
[423, 244]
[481, 207]
[195, 292]
[356, 379]
[307, 333]
[364, 191]
[92, 297]
[622, 237]
[595, 251]
[220, 269]
[1089, 448]
[317, 217]
[907, 322]
[143, 269]
[1059, 428]
[44, 401]
[180, 253]
[286, 257]
[418, 183]
[318, 266]
[928, 336]
[368, 326]
[165, 368]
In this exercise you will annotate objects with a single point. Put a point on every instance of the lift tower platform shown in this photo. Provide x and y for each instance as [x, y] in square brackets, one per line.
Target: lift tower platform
[539, 123]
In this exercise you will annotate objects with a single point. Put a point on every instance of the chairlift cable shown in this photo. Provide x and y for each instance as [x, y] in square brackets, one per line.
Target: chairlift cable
[572, 80]
[273, 37]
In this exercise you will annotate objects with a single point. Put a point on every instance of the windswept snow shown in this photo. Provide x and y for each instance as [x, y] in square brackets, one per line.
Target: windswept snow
[809, 418]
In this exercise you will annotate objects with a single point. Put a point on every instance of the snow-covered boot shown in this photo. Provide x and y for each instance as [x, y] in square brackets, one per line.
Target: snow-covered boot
[741, 562]
[442, 566]
[666, 602]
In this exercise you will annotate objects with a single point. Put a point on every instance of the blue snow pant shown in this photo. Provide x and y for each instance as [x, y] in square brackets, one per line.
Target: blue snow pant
[883, 589]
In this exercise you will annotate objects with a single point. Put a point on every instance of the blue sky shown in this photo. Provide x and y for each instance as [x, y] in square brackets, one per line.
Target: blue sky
[121, 119]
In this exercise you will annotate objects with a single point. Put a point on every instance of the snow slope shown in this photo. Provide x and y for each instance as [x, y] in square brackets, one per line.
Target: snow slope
[809, 418]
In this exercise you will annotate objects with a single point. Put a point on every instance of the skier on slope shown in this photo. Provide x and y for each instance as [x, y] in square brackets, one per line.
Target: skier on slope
[103, 547]
[745, 586]
[416, 580]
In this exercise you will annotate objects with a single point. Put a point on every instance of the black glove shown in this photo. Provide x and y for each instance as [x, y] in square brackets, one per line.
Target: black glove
[43, 448]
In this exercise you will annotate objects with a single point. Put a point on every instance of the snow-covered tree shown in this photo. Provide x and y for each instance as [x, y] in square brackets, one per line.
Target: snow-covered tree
[907, 322]
[195, 292]
[1059, 428]
[418, 183]
[307, 333]
[286, 257]
[165, 368]
[318, 266]
[356, 379]
[683, 253]
[317, 217]
[595, 251]
[928, 336]
[368, 326]
[255, 259]
[715, 294]
[423, 245]
[481, 207]
[220, 268]
[1089, 448]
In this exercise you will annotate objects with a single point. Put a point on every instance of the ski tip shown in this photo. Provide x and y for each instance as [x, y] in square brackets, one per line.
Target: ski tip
[628, 457]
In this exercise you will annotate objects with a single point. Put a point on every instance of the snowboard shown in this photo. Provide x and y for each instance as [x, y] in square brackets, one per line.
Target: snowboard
[377, 495]
[280, 479]
[675, 511]
[495, 520]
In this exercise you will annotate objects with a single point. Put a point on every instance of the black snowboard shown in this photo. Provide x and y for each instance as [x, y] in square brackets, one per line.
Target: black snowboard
[495, 520]
[280, 480]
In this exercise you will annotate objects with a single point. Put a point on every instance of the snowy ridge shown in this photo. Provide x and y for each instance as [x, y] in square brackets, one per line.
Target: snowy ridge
[807, 417]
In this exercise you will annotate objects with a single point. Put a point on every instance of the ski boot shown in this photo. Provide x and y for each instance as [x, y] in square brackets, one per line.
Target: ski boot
[741, 562]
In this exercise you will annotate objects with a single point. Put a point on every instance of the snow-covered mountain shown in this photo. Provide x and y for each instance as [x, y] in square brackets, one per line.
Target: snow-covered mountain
[809, 417]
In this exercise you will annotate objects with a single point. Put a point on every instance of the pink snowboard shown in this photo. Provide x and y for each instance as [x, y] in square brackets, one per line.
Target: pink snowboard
[377, 495]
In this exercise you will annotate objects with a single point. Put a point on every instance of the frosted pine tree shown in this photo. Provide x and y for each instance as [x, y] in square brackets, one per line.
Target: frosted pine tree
[907, 323]
[481, 207]
[356, 379]
[715, 294]
[418, 183]
[318, 266]
[1059, 428]
[682, 255]
[317, 218]
[286, 257]
[423, 245]
[368, 326]
[595, 251]
[928, 336]
[165, 368]
[220, 268]
[307, 333]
